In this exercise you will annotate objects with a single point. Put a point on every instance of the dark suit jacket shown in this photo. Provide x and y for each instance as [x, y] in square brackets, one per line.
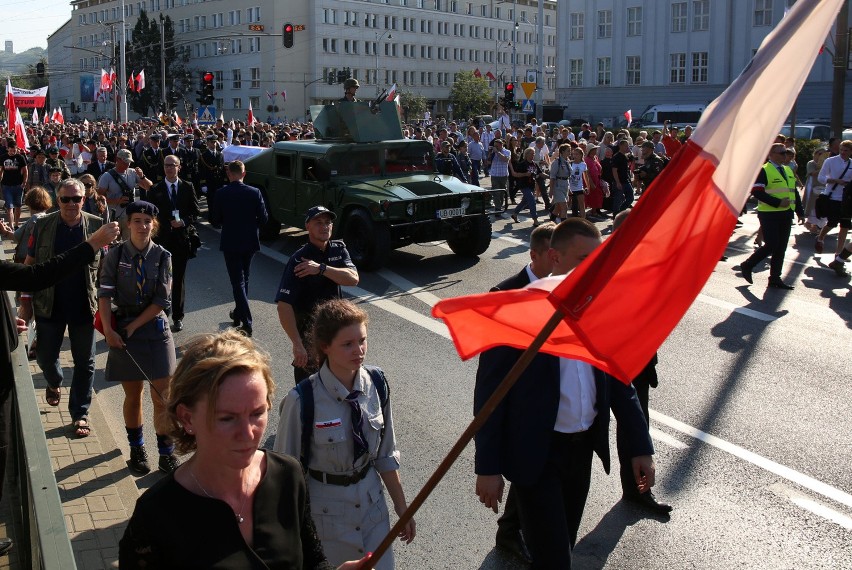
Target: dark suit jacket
[518, 281]
[94, 168]
[187, 204]
[516, 438]
[240, 210]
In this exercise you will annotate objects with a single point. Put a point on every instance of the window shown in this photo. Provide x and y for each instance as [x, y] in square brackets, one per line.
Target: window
[700, 15]
[255, 77]
[634, 21]
[678, 68]
[255, 103]
[254, 44]
[575, 73]
[237, 103]
[634, 70]
[236, 76]
[604, 71]
[699, 67]
[762, 13]
[604, 23]
[253, 14]
[329, 16]
[678, 17]
[219, 81]
[578, 24]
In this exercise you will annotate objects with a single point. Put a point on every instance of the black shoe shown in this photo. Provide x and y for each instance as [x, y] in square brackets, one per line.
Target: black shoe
[168, 463]
[778, 284]
[139, 460]
[178, 326]
[245, 330]
[648, 501]
[746, 271]
[512, 543]
[234, 320]
[5, 545]
[838, 268]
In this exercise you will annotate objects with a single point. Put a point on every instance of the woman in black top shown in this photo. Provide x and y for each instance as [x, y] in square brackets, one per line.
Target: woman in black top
[526, 172]
[231, 505]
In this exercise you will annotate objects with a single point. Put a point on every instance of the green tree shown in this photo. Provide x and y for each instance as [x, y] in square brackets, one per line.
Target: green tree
[413, 104]
[470, 95]
[30, 79]
[143, 53]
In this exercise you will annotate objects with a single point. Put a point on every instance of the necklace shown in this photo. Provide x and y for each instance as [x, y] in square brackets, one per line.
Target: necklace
[238, 515]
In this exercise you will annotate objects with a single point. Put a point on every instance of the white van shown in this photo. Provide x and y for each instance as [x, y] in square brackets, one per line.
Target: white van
[680, 115]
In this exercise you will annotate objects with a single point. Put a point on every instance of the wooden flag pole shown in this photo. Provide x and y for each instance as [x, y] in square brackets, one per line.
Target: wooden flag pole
[474, 426]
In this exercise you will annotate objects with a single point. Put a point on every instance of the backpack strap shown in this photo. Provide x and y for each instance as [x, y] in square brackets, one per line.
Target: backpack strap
[377, 375]
[306, 410]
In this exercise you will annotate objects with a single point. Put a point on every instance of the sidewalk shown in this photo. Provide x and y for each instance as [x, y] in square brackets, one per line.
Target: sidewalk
[97, 491]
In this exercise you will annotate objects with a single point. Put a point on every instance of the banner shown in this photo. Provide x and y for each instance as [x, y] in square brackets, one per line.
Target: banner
[29, 98]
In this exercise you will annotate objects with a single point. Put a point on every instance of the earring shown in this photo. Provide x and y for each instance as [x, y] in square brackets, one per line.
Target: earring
[189, 431]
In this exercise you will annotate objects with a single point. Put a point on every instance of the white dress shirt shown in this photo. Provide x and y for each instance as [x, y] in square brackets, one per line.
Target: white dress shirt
[577, 396]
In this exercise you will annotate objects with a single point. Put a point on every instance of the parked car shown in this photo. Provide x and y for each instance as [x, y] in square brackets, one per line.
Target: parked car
[808, 132]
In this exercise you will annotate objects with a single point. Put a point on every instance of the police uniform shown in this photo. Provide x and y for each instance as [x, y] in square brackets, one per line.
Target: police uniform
[151, 345]
[151, 163]
[211, 173]
[351, 519]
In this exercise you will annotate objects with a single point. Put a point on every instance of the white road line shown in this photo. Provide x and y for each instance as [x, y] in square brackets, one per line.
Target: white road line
[409, 288]
[811, 505]
[735, 308]
[663, 437]
[791, 475]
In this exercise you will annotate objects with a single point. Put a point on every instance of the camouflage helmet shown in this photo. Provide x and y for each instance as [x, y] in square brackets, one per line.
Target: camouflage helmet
[349, 83]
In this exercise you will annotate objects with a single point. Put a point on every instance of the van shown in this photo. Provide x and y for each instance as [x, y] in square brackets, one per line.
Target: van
[656, 115]
[808, 132]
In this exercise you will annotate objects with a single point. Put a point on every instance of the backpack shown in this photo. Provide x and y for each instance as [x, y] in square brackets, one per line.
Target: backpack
[306, 408]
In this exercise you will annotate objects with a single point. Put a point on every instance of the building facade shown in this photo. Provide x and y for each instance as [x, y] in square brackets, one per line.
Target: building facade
[418, 44]
[617, 55]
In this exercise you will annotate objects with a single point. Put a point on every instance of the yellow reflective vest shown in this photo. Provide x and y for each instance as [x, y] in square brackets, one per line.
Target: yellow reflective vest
[779, 186]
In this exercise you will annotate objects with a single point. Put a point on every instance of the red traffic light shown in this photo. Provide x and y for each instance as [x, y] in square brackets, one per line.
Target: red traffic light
[510, 87]
[208, 77]
[288, 28]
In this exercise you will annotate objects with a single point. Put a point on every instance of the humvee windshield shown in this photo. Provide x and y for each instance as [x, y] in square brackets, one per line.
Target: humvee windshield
[368, 162]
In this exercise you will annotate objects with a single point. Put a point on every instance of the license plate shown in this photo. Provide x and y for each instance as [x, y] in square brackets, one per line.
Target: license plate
[449, 213]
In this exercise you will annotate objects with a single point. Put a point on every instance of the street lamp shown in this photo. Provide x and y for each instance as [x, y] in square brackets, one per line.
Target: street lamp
[378, 39]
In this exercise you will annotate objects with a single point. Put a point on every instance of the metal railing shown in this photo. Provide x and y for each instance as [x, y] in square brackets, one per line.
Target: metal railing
[43, 541]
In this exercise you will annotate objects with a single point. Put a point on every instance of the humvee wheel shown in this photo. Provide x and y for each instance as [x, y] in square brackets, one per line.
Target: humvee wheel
[368, 242]
[473, 239]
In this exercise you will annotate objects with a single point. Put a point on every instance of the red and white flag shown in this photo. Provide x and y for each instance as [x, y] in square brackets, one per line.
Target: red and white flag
[622, 302]
[106, 84]
[392, 93]
[251, 119]
[60, 118]
[140, 81]
[113, 77]
[10, 105]
[490, 76]
[20, 132]
[178, 120]
[131, 83]
[477, 73]
[284, 95]
[35, 118]
[628, 114]
[46, 117]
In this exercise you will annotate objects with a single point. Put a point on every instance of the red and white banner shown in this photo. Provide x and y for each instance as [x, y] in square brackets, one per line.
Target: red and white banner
[622, 302]
[28, 98]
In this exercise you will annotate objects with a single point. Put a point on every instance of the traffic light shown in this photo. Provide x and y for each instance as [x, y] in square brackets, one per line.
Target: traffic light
[288, 35]
[341, 76]
[206, 94]
[509, 95]
[40, 69]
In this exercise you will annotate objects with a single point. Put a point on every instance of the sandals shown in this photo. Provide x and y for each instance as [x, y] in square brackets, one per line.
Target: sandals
[53, 396]
[82, 428]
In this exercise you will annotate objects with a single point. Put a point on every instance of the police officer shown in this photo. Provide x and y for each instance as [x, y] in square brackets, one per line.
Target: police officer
[151, 161]
[775, 190]
[211, 170]
[189, 160]
[350, 86]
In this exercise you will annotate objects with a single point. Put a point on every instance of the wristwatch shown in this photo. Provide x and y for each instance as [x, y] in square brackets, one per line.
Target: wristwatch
[321, 268]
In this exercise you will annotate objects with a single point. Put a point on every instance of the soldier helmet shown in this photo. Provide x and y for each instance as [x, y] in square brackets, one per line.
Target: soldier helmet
[349, 83]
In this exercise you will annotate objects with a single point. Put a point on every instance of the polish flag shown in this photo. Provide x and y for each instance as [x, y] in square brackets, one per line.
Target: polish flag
[628, 114]
[60, 118]
[46, 118]
[251, 119]
[10, 105]
[140, 81]
[35, 118]
[131, 84]
[20, 132]
[113, 77]
[106, 85]
[490, 76]
[392, 93]
[178, 120]
[617, 308]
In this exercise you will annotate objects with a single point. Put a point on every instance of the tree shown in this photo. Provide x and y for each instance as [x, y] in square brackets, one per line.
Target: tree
[143, 53]
[413, 105]
[470, 95]
[31, 79]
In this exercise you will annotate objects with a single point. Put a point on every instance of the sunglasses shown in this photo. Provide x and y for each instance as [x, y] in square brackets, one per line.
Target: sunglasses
[88, 185]
[67, 199]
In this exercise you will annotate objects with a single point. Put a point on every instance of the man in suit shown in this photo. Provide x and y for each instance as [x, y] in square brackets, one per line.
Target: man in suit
[241, 212]
[543, 434]
[509, 537]
[178, 211]
[211, 171]
[100, 165]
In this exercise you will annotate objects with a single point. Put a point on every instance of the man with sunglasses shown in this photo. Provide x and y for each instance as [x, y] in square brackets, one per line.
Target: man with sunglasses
[70, 304]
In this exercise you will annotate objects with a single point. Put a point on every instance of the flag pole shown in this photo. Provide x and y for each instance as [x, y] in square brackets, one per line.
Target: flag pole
[478, 421]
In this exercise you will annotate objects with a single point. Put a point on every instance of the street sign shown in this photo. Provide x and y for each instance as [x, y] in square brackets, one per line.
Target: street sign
[528, 106]
[529, 89]
[207, 115]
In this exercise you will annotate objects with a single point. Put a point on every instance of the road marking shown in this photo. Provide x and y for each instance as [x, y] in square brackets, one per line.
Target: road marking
[817, 508]
[667, 439]
[736, 308]
[408, 288]
[791, 475]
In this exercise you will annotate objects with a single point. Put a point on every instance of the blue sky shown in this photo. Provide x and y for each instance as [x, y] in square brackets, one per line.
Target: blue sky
[28, 22]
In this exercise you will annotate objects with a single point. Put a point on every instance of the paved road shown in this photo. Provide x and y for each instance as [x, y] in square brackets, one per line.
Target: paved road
[750, 422]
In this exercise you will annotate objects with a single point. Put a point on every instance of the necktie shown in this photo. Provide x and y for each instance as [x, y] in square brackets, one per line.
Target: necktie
[357, 425]
[173, 195]
[139, 265]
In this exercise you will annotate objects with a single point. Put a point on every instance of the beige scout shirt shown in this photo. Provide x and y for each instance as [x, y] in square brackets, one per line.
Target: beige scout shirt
[332, 448]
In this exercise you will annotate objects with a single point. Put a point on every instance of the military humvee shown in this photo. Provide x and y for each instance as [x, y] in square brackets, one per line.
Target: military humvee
[383, 188]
